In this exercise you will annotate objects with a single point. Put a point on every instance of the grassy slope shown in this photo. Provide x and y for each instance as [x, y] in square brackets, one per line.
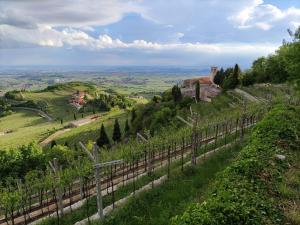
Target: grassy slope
[91, 131]
[26, 126]
[57, 100]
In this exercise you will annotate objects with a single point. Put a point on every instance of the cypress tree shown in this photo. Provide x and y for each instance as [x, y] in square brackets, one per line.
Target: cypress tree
[197, 91]
[53, 143]
[127, 127]
[176, 93]
[103, 139]
[236, 74]
[219, 78]
[133, 115]
[117, 132]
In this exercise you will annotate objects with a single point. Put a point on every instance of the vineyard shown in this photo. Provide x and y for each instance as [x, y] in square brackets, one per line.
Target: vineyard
[56, 190]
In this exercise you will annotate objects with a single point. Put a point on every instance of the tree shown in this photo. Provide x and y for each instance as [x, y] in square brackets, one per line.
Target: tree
[197, 91]
[247, 78]
[127, 128]
[219, 78]
[236, 74]
[176, 93]
[231, 78]
[157, 98]
[133, 115]
[103, 140]
[259, 70]
[53, 143]
[75, 117]
[117, 132]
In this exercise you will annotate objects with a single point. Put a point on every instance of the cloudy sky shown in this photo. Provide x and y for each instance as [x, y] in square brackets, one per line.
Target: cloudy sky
[143, 32]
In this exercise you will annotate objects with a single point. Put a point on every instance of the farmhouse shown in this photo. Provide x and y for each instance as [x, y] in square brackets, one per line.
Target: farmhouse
[77, 99]
[208, 89]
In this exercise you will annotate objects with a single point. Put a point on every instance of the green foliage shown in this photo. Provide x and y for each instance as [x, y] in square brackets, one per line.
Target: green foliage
[282, 66]
[5, 108]
[117, 132]
[14, 95]
[247, 79]
[63, 154]
[103, 140]
[127, 128]
[133, 115]
[243, 193]
[219, 78]
[176, 93]
[231, 78]
[16, 163]
[157, 98]
[104, 102]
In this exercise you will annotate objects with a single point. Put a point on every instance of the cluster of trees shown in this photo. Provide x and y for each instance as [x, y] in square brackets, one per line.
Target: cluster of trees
[104, 102]
[280, 67]
[5, 108]
[229, 78]
[14, 95]
[159, 112]
[104, 141]
[16, 163]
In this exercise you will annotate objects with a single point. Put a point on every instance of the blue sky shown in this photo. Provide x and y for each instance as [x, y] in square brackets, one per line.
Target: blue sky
[143, 32]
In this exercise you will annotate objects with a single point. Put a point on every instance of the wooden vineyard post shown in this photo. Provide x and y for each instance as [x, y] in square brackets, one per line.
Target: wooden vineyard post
[123, 174]
[225, 132]
[236, 128]
[175, 149]
[145, 160]
[55, 169]
[97, 168]
[206, 136]
[182, 152]
[243, 121]
[133, 174]
[80, 180]
[216, 135]
[169, 149]
[98, 183]
[112, 187]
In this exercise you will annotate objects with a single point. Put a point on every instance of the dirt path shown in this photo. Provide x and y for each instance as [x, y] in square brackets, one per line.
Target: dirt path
[53, 137]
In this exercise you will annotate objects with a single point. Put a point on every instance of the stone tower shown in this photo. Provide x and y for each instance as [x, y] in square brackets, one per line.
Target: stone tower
[213, 72]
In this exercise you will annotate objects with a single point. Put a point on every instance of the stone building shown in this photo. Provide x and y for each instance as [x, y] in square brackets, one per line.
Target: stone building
[208, 89]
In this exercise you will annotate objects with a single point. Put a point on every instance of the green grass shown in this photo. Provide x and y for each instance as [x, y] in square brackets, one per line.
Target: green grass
[26, 127]
[289, 190]
[162, 203]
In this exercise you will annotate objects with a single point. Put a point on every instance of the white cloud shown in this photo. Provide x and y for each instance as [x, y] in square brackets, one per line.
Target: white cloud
[70, 37]
[264, 16]
[78, 13]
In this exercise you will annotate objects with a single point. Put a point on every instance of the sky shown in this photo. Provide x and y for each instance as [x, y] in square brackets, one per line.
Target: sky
[143, 32]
